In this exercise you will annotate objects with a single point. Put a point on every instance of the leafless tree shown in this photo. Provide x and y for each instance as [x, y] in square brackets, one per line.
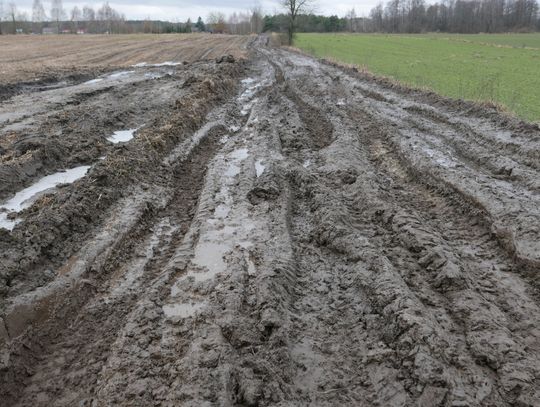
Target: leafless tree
[256, 19]
[351, 20]
[12, 15]
[111, 20]
[38, 12]
[217, 20]
[57, 13]
[89, 18]
[240, 23]
[88, 14]
[76, 16]
[233, 23]
[295, 7]
[38, 15]
[1, 15]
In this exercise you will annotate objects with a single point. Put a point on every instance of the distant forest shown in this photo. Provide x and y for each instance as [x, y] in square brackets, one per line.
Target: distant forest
[415, 16]
[396, 16]
[472, 16]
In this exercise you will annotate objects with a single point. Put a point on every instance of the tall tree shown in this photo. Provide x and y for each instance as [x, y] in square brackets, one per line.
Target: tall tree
[217, 20]
[38, 12]
[57, 13]
[256, 20]
[200, 25]
[89, 18]
[88, 13]
[1, 16]
[351, 20]
[76, 16]
[12, 14]
[111, 20]
[294, 8]
[377, 17]
[38, 15]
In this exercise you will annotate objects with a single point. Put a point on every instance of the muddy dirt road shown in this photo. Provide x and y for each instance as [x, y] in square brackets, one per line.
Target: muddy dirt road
[279, 231]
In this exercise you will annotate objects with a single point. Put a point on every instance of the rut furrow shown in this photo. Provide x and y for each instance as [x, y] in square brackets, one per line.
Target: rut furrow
[469, 262]
[67, 353]
[450, 267]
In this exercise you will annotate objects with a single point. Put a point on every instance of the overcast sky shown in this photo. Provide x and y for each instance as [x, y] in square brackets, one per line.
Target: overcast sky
[181, 10]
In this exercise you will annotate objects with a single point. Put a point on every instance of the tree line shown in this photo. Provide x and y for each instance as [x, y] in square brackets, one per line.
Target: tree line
[106, 19]
[455, 16]
[415, 16]
[396, 16]
[57, 19]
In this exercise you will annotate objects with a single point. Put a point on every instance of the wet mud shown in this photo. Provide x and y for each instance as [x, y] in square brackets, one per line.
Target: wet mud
[279, 231]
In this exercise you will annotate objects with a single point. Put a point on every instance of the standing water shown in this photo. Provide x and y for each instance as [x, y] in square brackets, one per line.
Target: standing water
[23, 199]
[121, 136]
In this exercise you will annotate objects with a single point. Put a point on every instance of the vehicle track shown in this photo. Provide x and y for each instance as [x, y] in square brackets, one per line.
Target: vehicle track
[323, 239]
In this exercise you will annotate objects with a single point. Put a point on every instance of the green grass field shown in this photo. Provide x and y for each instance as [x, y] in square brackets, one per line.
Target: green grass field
[501, 68]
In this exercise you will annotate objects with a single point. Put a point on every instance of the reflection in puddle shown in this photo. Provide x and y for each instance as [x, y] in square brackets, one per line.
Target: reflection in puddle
[166, 63]
[92, 81]
[121, 136]
[232, 170]
[209, 255]
[259, 167]
[181, 310]
[237, 155]
[120, 74]
[222, 211]
[240, 154]
[439, 157]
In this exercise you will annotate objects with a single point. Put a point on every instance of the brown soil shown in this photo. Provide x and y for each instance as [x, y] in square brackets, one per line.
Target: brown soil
[279, 232]
[32, 62]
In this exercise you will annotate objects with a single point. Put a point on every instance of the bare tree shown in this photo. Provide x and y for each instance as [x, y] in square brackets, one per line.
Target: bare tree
[89, 18]
[38, 12]
[295, 7]
[88, 14]
[351, 20]
[57, 13]
[256, 19]
[111, 20]
[38, 15]
[12, 14]
[217, 20]
[233, 23]
[76, 16]
[1, 15]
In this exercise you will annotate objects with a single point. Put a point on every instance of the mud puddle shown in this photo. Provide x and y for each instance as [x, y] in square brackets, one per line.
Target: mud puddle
[26, 197]
[122, 136]
[166, 63]
[259, 167]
